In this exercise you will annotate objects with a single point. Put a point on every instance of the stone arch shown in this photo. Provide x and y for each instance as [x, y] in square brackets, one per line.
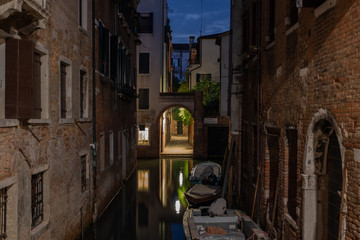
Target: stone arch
[174, 105]
[322, 126]
[158, 119]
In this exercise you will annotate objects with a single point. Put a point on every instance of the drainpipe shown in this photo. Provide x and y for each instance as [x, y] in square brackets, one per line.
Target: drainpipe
[94, 110]
[258, 142]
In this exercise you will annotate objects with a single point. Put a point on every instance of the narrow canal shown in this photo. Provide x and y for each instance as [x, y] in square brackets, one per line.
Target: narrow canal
[151, 204]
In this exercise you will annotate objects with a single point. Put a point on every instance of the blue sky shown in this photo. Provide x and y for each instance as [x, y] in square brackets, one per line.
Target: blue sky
[185, 18]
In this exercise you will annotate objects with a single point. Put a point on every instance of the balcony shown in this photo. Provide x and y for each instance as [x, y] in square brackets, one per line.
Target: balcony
[128, 16]
[22, 16]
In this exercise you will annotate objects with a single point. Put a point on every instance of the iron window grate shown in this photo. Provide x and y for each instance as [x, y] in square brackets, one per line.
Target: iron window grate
[3, 204]
[37, 203]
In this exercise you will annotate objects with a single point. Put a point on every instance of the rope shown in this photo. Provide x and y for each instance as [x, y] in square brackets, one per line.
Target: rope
[251, 237]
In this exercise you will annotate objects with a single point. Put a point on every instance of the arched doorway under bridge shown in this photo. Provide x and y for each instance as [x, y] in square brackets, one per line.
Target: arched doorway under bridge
[323, 179]
[176, 131]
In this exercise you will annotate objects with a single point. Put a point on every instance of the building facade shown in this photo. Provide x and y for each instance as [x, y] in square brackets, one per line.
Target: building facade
[45, 119]
[180, 62]
[297, 73]
[117, 26]
[67, 142]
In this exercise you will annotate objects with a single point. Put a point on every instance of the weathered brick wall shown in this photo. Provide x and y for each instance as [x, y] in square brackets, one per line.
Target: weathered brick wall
[114, 114]
[308, 67]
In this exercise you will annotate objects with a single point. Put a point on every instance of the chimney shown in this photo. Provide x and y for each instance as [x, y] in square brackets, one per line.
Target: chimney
[191, 42]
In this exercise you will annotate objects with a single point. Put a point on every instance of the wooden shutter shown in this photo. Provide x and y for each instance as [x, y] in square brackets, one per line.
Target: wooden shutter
[37, 85]
[113, 56]
[101, 43]
[63, 90]
[106, 50]
[19, 92]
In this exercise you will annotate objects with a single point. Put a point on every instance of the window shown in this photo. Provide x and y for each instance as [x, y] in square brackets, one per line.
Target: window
[83, 11]
[23, 67]
[200, 77]
[293, 13]
[146, 22]
[111, 145]
[3, 205]
[254, 23]
[84, 95]
[143, 135]
[113, 56]
[37, 201]
[245, 32]
[144, 63]
[83, 173]
[271, 20]
[119, 145]
[292, 178]
[102, 151]
[37, 85]
[103, 49]
[120, 67]
[65, 90]
[143, 98]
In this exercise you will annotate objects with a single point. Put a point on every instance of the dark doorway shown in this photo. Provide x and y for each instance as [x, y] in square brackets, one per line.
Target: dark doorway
[217, 140]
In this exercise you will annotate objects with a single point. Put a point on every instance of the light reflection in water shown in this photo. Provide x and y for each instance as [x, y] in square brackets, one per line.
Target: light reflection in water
[168, 180]
[177, 206]
[181, 178]
[150, 205]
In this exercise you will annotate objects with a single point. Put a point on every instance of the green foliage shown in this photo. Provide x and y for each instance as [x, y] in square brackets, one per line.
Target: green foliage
[211, 91]
[182, 115]
[185, 116]
[184, 87]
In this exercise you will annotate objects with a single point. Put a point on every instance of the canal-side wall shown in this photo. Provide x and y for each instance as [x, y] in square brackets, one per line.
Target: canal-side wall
[116, 131]
[53, 147]
[308, 85]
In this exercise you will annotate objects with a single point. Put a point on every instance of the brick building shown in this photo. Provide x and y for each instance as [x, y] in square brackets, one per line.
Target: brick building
[52, 187]
[116, 36]
[295, 73]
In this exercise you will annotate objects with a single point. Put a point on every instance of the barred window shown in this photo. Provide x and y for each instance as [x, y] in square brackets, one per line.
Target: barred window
[83, 173]
[3, 203]
[37, 203]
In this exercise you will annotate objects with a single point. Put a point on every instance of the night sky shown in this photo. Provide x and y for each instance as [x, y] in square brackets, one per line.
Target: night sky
[185, 18]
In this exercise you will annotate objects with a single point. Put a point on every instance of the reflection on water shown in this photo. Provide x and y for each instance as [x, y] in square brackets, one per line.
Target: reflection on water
[151, 205]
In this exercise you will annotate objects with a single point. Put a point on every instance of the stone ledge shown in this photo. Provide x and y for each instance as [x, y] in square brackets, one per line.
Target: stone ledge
[5, 123]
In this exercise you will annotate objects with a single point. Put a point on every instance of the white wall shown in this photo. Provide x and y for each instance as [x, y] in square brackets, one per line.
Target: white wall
[209, 55]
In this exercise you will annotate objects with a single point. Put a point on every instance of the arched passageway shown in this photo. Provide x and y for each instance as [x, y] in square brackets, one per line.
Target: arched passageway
[176, 131]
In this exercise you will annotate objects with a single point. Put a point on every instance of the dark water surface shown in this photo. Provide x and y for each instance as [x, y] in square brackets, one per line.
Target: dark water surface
[151, 204]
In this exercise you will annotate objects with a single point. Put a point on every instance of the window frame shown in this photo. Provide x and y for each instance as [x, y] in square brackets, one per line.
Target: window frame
[37, 203]
[3, 212]
[142, 68]
[65, 95]
[84, 94]
[149, 19]
[83, 14]
[140, 104]
[145, 142]
[83, 164]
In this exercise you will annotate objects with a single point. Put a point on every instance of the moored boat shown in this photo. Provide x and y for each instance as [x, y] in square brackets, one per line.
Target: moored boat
[208, 173]
[202, 195]
[217, 222]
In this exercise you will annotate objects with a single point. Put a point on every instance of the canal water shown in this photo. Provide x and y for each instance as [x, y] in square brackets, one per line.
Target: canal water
[150, 205]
